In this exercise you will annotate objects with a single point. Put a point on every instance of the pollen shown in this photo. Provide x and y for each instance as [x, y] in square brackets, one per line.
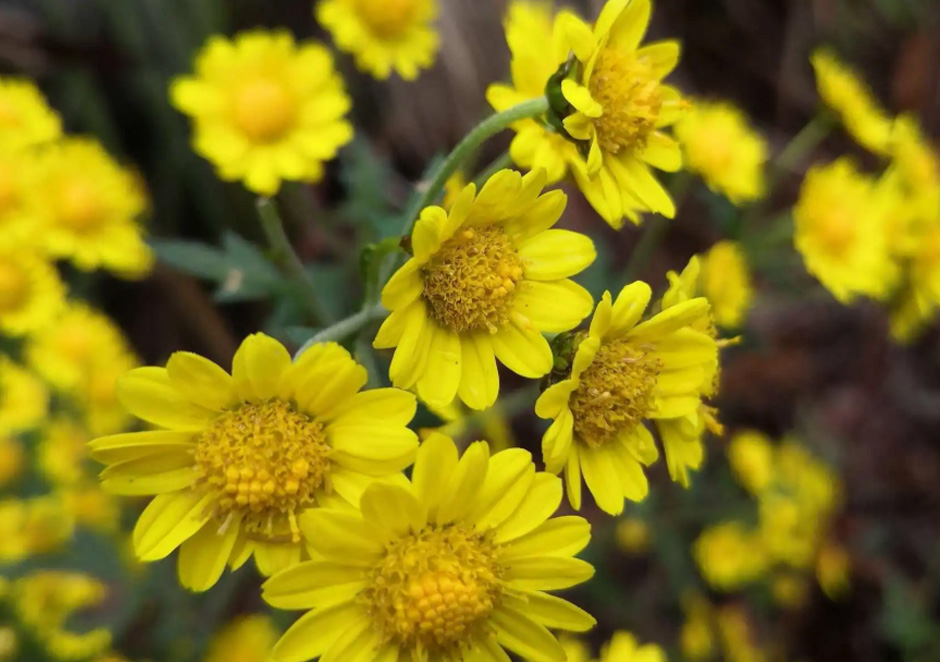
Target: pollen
[264, 109]
[630, 96]
[433, 590]
[266, 461]
[387, 18]
[471, 282]
[615, 393]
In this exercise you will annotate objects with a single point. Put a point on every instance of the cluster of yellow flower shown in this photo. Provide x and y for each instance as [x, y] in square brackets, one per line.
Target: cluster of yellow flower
[727, 629]
[873, 235]
[797, 496]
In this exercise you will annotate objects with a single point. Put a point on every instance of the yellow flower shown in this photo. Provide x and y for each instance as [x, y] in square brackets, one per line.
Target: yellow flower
[24, 400]
[87, 208]
[451, 566]
[9, 643]
[33, 526]
[729, 556]
[529, 34]
[384, 35]
[839, 230]
[751, 456]
[720, 145]
[789, 590]
[61, 453]
[622, 374]
[89, 505]
[17, 222]
[620, 108]
[844, 92]
[12, 460]
[623, 647]
[25, 117]
[31, 292]
[633, 535]
[833, 567]
[486, 279]
[242, 456]
[737, 636]
[725, 280]
[695, 638]
[247, 639]
[575, 649]
[265, 109]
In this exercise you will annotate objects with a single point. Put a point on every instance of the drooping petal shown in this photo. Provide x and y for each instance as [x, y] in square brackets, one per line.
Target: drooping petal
[313, 584]
[479, 379]
[148, 394]
[201, 381]
[441, 379]
[169, 520]
[204, 556]
[602, 479]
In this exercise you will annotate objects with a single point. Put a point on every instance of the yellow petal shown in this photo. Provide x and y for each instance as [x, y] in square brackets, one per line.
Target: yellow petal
[322, 387]
[479, 378]
[559, 536]
[314, 632]
[465, 484]
[540, 503]
[547, 573]
[134, 445]
[201, 381]
[663, 152]
[554, 399]
[557, 441]
[259, 364]
[580, 97]
[540, 216]
[404, 286]
[393, 510]
[508, 480]
[628, 308]
[169, 520]
[204, 556]
[372, 448]
[150, 475]
[672, 319]
[340, 536]
[391, 406]
[433, 468]
[357, 644]
[573, 479]
[271, 558]
[553, 306]
[662, 56]
[148, 394]
[313, 584]
[633, 483]
[602, 479]
[426, 239]
[525, 637]
[576, 36]
[411, 356]
[555, 254]
[524, 351]
[628, 24]
[551, 611]
[441, 379]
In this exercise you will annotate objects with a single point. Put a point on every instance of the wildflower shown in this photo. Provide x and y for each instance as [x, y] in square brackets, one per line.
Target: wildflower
[737, 635]
[730, 556]
[486, 279]
[620, 107]
[25, 118]
[623, 647]
[750, 454]
[265, 109]
[88, 505]
[87, 207]
[451, 566]
[622, 374]
[384, 35]
[789, 590]
[844, 92]
[17, 223]
[839, 230]
[695, 638]
[240, 457]
[633, 535]
[246, 639]
[918, 300]
[33, 526]
[24, 400]
[725, 280]
[62, 451]
[31, 292]
[720, 145]
[529, 27]
[916, 163]
[575, 649]
[12, 460]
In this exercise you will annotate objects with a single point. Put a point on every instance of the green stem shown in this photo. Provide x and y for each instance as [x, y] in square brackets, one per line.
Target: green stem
[802, 144]
[346, 327]
[284, 255]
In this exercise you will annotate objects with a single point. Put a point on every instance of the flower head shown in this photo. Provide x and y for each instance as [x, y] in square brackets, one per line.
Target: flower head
[730, 555]
[24, 400]
[384, 35]
[17, 220]
[31, 292]
[486, 279]
[241, 457]
[246, 639]
[265, 109]
[88, 209]
[844, 92]
[720, 145]
[725, 280]
[840, 232]
[623, 647]
[451, 566]
[529, 27]
[620, 106]
[623, 373]
[25, 117]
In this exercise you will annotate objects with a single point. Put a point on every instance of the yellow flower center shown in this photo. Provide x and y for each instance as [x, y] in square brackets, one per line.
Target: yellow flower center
[387, 18]
[836, 231]
[14, 286]
[266, 461]
[615, 393]
[80, 206]
[264, 110]
[434, 590]
[630, 95]
[470, 282]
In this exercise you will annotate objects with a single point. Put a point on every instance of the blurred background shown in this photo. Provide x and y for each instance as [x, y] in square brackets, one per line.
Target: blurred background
[808, 368]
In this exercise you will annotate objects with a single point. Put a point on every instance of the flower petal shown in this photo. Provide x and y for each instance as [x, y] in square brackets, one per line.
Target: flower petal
[546, 573]
[553, 306]
[551, 611]
[201, 381]
[524, 351]
[479, 378]
[372, 448]
[340, 536]
[628, 308]
[433, 468]
[525, 637]
[559, 536]
[314, 632]
[258, 366]
[580, 97]
[465, 483]
[555, 254]
[313, 584]
[540, 503]
[148, 394]
[602, 479]
[508, 480]
[441, 379]
[135, 445]
[672, 319]
[393, 509]
[204, 556]
[169, 520]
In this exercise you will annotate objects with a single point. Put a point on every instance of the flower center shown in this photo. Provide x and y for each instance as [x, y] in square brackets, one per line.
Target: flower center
[267, 461]
[470, 283]
[433, 590]
[615, 393]
[14, 286]
[80, 205]
[264, 110]
[837, 231]
[387, 18]
[630, 95]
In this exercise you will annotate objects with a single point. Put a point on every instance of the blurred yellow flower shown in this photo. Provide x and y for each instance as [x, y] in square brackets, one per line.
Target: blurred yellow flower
[729, 555]
[31, 293]
[9, 643]
[696, 640]
[383, 35]
[737, 635]
[720, 145]
[62, 453]
[623, 647]
[840, 232]
[620, 108]
[575, 649]
[239, 458]
[916, 160]
[844, 92]
[88, 505]
[265, 109]
[33, 526]
[833, 568]
[246, 639]
[17, 222]
[623, 373]
[12, 459]
[24, 400]
[485, 280]
[460, 423]
[789, 590]
[529, 27]
[88, 208]
[725, 280]
[25, 117]
[751, 456]
[633, 535]
[479, 527]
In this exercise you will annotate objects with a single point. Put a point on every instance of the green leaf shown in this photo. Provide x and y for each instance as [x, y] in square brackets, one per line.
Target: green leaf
[192, 257]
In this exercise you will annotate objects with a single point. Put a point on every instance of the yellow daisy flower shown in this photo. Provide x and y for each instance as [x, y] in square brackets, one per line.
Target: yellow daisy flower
[839, 230]
[12, 460]
[265, 109]
[17, 223]
[452, 566]
[720, 145]
[24, 400]
[31, 292]
[487, 278]
[529, 27]
[240, 457]
[918, 302]
[750, 455]
[833, 569]
[844, 92]
[622, 374]
[62, 451]
[87, 208]
[25, 117]
[623, 647]
[31, 527]
[620, 108]
[729, 555]
[383, 35]
[916, 162]
[246, 639]
[725, 280]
